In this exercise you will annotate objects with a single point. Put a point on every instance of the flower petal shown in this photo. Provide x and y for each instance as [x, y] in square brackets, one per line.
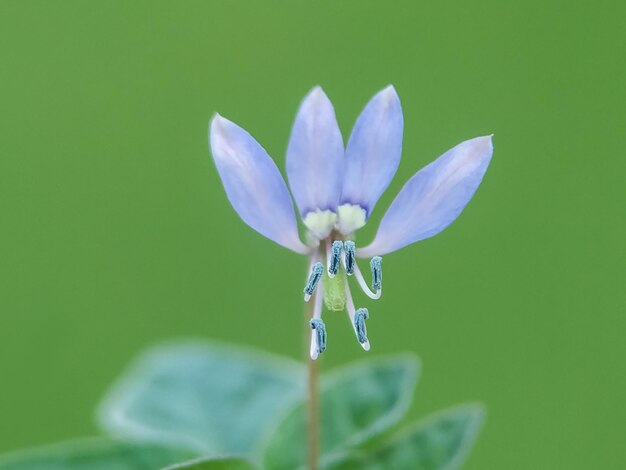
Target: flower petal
[253, 184]
[374, 150]
[433, 197]
[315, 155]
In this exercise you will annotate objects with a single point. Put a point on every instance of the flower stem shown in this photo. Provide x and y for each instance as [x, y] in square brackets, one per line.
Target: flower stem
[313, 394]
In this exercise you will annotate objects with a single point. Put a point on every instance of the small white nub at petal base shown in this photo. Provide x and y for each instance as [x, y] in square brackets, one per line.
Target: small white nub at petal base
[350, 217]
[320, 223]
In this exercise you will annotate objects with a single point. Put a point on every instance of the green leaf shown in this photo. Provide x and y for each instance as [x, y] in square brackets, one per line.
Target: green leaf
[226, 463]
[216, 399]
[358, 402]
[94, 454]
[440, 442]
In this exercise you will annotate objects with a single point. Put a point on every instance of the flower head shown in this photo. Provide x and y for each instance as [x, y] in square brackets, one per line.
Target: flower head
[336, 190]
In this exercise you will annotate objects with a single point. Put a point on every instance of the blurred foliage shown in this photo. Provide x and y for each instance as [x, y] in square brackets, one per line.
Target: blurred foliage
[95, 454]
[209, 401]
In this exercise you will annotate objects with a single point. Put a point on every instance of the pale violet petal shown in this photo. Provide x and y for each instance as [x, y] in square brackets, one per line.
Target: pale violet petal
[433, 197]
[373, 151]
[315, 155]
[253, 184]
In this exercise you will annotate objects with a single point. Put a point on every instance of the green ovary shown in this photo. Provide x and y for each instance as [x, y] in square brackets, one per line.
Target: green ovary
[335, 292]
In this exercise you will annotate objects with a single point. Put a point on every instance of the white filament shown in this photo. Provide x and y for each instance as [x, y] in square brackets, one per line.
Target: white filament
[329, 255]
[364, 287]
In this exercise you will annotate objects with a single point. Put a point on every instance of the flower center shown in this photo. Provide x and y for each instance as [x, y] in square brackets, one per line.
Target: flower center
[331, 287]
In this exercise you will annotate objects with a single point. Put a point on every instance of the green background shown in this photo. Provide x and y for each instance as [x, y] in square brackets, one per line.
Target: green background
[116, 232]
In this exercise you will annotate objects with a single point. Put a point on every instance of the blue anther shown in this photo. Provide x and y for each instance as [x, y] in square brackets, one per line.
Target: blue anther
[335, 257]
[314, 278]
[349, 249]
[320, 331]
[359, 323]
[377, 273]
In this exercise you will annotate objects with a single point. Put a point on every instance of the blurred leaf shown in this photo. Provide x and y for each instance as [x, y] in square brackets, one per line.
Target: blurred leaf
[94, 454]
[440, 442]
[358, 402]
[212, 398]
[226, 463]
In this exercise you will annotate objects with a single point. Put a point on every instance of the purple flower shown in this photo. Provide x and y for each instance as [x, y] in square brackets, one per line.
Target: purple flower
[336, 190]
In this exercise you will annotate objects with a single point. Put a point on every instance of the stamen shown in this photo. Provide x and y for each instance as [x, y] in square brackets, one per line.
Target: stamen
[335, 258]
[364, 287]
[318, 330]
[377, 273]
[314, 278]
[359, 324]
[349, 249]
[353, 320]
[317, 325]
